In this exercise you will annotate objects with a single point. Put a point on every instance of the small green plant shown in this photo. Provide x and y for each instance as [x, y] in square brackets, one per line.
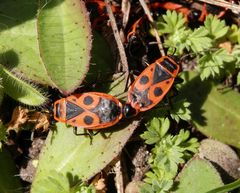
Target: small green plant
[57, 181]
[213, 59]
[83, 188]
[210, 44]
[169, 151]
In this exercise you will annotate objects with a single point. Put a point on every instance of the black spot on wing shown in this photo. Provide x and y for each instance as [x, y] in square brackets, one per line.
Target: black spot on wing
[144, 80]
[160, 74]
[157, 92]
[88, 100]
[72, 110]
[88, 120]
[166, 63]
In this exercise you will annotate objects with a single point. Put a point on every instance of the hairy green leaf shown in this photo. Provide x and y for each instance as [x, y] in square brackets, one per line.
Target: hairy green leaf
[64, 38]
[46, 41]
[20, 90]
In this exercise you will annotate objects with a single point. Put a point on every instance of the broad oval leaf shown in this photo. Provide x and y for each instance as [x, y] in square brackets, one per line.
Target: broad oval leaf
[78, 157]
[215, 112]
[198, 176]
[64, 38]
[47, 41]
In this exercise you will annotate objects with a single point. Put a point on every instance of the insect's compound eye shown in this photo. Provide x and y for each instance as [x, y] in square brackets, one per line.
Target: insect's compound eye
[194, 15]
[57, 113]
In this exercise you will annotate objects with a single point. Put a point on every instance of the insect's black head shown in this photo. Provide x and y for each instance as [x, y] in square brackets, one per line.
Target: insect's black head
[129, 111]
[194, 16]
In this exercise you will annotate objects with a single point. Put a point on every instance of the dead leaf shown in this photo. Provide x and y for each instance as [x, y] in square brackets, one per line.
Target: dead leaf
[227, 45]
[19, 117]
[40, 121]
[99, 184]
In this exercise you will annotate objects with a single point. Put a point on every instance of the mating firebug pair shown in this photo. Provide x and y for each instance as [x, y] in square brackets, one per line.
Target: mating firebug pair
[94, 110]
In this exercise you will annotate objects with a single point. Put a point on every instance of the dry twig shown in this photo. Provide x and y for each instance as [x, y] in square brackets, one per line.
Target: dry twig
[126, 6]
[116, 34]
[232, 6]
[147, 12]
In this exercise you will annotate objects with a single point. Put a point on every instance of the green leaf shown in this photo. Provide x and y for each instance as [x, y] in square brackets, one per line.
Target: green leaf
[174, 25]
[20, 90]
[198, 40]
[9, 178]
[211, 63]
[64, 37]
[226, 188]
[177, 41]
[101, 62]
[48, 43]
[172, 22]
[57, 182]
[78, 157]
[234, 35]
[215, 113]
[155, 184]
[172, 150]
[200, 171]
[216, 27]
[181, 110]
[156, 130]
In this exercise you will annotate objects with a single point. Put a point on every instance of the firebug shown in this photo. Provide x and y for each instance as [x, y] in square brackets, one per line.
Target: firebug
[91, 110]
[153, 84]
